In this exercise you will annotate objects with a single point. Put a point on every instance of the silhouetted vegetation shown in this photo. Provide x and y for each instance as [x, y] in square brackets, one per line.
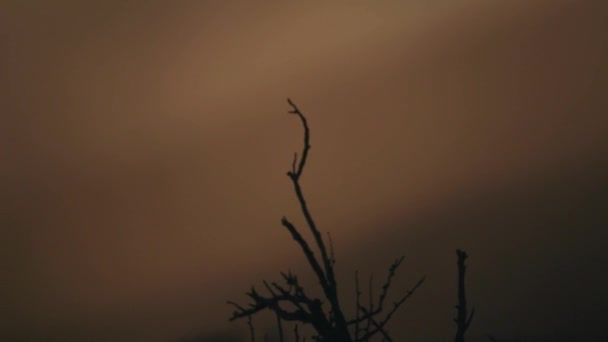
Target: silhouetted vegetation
[290, 302]
[463, 319]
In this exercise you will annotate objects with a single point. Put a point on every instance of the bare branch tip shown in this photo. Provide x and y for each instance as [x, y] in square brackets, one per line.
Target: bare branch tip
[295, 108]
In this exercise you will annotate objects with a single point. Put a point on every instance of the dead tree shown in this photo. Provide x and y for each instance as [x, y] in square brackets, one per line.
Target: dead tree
[463, 319]
[329, 324]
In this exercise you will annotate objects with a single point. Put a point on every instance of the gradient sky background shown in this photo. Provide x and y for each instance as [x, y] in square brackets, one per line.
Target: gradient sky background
[144, 146]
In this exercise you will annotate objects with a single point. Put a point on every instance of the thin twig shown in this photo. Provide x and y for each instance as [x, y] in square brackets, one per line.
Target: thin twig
[331, 249]
[280, 327]
[296, 333]
[463, 319]
[251, 331]
[357, 304]
[371, 306]
[388, 317]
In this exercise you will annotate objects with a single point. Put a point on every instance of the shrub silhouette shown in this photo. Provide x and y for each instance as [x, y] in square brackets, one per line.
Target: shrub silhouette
[328, 321]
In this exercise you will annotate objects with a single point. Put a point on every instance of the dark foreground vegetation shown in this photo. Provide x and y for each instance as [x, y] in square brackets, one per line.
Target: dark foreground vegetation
[293, 306]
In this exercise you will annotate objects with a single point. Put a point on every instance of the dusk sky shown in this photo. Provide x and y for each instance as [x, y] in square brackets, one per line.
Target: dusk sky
[144, 146]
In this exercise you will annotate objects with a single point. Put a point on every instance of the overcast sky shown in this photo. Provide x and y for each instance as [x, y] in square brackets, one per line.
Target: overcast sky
[143, 151]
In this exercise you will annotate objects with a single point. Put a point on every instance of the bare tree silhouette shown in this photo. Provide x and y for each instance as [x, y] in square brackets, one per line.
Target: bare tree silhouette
[329, 324]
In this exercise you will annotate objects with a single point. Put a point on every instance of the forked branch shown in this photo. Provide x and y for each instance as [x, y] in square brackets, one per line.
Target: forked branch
[330, 325]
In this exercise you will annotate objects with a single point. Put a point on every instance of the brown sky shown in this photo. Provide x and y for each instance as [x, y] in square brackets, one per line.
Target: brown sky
[144, 147]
